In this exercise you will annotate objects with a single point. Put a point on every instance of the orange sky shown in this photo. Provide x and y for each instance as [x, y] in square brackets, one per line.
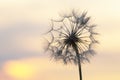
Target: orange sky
[22, 23]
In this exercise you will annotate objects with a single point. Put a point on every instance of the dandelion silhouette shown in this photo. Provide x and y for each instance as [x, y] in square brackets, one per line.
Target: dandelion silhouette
[72, 38]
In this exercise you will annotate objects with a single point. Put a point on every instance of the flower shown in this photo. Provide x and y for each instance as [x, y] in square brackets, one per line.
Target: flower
[73, 32]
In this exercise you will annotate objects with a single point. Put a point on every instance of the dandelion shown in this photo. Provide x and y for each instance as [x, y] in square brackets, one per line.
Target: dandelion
[72, 39]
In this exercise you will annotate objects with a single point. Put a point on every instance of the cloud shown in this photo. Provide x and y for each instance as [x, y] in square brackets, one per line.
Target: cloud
[21, 40]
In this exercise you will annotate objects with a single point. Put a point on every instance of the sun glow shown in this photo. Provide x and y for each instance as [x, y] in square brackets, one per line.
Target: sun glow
[18, 70]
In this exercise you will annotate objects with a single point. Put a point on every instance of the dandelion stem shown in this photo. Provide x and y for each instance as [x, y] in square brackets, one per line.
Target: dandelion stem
[79, 63]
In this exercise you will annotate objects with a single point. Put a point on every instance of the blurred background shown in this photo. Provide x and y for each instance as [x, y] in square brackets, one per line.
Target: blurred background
[23, 23]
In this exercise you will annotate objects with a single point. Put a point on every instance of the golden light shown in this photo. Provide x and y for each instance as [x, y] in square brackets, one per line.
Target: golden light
[19, 70]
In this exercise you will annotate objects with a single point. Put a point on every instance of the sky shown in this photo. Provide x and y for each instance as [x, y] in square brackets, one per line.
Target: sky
[23, 23]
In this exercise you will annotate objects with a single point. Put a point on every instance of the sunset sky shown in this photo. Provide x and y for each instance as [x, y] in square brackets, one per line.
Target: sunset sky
[23, 23]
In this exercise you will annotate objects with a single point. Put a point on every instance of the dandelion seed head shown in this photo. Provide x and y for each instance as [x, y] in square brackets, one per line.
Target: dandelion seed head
[69, 33]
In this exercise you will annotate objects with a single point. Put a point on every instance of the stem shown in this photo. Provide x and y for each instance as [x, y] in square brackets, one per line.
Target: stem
[79, 66]
[79, 63]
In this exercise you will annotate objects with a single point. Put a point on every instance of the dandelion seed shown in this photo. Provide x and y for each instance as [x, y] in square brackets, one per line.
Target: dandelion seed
[72, 39]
